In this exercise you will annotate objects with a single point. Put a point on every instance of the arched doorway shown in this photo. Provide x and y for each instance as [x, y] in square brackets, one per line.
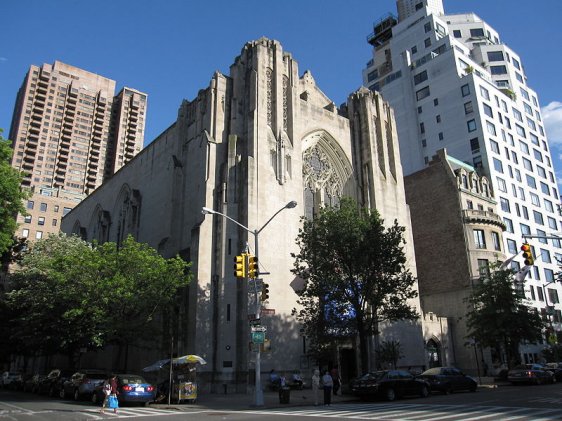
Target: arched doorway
[433, 348]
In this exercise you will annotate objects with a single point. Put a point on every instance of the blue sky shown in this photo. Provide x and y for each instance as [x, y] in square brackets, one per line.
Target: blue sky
[170, 48]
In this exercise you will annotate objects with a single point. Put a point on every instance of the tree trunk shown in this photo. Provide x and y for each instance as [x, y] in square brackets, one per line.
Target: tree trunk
[363, 348]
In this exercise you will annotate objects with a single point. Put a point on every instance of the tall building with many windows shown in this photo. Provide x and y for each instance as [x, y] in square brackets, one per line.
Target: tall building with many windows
[453, 83]
[70, 133]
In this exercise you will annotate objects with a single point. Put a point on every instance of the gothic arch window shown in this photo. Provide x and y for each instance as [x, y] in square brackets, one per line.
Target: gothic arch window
[99, 225]
[326, 172]
[127, 213]
[79, 230]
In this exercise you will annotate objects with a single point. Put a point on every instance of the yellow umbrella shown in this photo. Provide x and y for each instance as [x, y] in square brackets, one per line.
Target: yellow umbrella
[187, 359]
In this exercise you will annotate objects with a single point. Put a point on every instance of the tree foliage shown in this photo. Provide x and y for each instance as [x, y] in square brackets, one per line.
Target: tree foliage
[355, 276]
[70, 294]
[497, 316]
[11, 195]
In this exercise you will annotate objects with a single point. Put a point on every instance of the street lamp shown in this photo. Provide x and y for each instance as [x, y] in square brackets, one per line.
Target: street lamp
[258, 393]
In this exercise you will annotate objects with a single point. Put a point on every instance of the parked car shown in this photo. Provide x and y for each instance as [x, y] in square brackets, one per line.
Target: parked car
[448, 379]
[9, 378]
[52, 383]
[530, 373]
[82, 384]
[132, 388]
[555, 369]
[32, 383]
[389, 384]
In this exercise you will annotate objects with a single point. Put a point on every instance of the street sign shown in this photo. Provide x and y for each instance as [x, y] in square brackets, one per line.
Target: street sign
[258, 337]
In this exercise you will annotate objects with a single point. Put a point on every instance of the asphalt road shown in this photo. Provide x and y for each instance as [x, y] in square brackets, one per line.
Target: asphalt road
[504, 403]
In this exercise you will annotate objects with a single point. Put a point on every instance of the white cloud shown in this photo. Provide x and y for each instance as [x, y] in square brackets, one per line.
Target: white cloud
[552, 117]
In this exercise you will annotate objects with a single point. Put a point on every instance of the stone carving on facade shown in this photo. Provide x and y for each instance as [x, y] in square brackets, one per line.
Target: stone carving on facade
[269, 96]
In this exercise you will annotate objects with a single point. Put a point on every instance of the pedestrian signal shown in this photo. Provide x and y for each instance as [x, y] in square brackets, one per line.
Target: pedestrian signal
[253, 270]
[240, 266]
[528, 254]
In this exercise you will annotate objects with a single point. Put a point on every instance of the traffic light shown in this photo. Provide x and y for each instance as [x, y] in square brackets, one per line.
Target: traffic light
[253, 270]
[240, 266]
[527, 254]
[265, 292]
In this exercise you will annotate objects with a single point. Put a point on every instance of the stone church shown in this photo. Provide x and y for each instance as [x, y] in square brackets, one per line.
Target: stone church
[248, 144]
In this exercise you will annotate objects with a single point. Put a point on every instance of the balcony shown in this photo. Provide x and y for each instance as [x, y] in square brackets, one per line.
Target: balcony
[474, 216]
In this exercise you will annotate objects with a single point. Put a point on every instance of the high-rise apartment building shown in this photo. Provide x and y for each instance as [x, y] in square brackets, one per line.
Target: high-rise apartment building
[70, 133]
[454, 84]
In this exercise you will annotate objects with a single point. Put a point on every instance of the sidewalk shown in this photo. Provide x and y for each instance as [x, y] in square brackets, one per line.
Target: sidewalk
[240, 401]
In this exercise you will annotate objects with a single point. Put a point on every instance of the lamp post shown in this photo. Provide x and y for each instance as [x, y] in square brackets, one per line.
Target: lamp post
[258, 392]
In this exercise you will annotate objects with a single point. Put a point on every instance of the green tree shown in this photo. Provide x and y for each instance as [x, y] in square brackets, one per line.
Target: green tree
[390, 352]
[70, 295]
[497, 316]
[355, 276]
[11, 195]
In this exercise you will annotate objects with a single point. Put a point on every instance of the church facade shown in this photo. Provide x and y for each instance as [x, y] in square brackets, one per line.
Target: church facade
[247, 145]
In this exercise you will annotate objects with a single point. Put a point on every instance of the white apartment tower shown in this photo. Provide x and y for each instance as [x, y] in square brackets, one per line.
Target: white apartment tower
[454, 84]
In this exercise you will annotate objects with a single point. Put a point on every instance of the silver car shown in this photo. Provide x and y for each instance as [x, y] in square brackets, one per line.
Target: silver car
[81, 384]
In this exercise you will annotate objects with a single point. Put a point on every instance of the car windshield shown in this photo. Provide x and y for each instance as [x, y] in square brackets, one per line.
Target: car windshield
[373, 376]
[131, 379]
[432, 371]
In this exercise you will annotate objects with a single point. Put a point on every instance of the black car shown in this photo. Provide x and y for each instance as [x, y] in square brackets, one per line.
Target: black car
[82, 384]
[389, 385]
[52, 383]
[555, 369]
[448, 379]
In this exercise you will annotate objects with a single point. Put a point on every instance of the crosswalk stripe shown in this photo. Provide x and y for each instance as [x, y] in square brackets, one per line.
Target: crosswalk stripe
[415, 412]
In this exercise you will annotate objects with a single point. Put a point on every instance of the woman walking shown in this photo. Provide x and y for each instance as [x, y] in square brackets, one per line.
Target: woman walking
[315, 385]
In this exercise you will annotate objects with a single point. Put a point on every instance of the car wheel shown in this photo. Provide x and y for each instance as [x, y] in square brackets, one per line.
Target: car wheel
[95, 398]
[448, 390]
[424, 393]
[62, 394]
[390, 394]
[76, 395]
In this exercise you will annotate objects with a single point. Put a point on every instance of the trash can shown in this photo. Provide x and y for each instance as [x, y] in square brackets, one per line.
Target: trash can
[284, 395]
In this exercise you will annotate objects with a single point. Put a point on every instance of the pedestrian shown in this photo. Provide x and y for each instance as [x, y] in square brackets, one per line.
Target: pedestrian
[315, 385]
[335, 373]
[110, 390]
[106, 389]
[327, 384]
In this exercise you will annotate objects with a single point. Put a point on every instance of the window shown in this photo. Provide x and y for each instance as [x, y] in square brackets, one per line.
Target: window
[65, 211]
[552, 294]
[54, 222]
[525, 212]
[512, 247]
[414, 50]
[520, 130]
[544, 188]
[43, 207]
[501, 184]
[538, 218]
[422, 93]
[438, 118]
[527, 164]
[535, 199]
[508, 225]
[491, 128]
[27, 219]
[540, 293]
[422, 128]
[427, 42]
[474, 145]
[479, 239]
[538, 155]
[516, 63]
[420, 77]
[39, 235]
[468, 107]
[457, 33]
[496, 240]
[532, 288]
[552, 223]
[465, 89]
[41, 220]
[435, 102]
[483, 267]
[504, 204]
[488, 110]
[524, 147]
[494, 146]
[477, 32]
[541, 240]
[56, 208]
[545, 256]
[30, 204]
[548, 205]
[440, 135]
[498, 70]
[517, 114]
[498, 166]
[531, 181]
[495, 56]
[525, 229]
[484, 93]
[471, 125]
